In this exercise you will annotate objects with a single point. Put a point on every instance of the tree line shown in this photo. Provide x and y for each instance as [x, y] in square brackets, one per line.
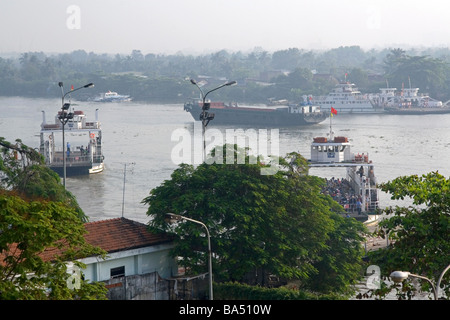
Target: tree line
[261, 75]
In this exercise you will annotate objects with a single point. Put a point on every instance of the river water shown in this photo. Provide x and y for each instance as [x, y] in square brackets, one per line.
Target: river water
[138, 137]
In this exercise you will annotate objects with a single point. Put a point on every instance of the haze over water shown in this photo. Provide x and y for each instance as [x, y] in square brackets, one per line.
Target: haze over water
[141, 134]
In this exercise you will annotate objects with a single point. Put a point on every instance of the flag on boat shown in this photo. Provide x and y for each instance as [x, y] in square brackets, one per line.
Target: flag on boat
[333, 111]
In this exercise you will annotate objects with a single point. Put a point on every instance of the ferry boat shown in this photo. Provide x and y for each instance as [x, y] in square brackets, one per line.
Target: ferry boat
[408, 101]
[359, 185]
[289, 115]
[112, 96]
[84, 145]
[346, 98]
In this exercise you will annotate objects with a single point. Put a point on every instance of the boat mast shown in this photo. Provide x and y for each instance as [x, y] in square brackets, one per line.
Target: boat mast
[331, 129]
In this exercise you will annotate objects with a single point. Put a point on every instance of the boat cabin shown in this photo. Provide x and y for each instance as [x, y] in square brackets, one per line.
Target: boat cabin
[336, 150]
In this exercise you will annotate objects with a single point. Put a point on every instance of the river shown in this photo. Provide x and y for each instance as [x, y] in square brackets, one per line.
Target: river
[138, 137]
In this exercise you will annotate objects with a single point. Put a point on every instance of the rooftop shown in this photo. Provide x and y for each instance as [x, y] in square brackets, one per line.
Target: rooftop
[115, 235]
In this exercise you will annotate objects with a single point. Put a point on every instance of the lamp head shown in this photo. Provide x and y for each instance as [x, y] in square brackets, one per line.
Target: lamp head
[172, 218]
[193, 81]
[89, 85]
[399, 276]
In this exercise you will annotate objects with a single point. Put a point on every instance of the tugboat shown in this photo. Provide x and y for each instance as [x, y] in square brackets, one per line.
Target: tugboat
[84, 145]
[357, 192]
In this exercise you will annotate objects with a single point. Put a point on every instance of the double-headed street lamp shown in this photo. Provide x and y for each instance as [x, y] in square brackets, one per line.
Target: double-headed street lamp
[400, 276]
[206, 116]
[64, 117]
[176, 217]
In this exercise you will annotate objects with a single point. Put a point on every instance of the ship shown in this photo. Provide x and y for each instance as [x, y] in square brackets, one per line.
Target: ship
[346, 98]
[83, 153]
[357, 192]
[408, 101]
[232, 114]
[112, 96]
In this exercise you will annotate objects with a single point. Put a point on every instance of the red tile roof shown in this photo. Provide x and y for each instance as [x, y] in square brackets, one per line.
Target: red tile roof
[113, 235]
[121, 234]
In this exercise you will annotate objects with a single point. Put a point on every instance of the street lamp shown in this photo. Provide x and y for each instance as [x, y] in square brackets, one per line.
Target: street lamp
[206, 116]
[64, 117]
[176, 217]
[400, 276]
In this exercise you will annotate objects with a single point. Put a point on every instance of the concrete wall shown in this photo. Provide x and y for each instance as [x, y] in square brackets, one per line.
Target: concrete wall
[149, 286]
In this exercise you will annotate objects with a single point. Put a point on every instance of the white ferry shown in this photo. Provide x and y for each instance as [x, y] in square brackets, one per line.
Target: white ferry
[408, 101]
[83, 153]
[346, 98]
[360, 182]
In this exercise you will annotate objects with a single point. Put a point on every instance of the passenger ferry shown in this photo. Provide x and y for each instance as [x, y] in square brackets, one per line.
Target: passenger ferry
[83, 152]
[346, 98]
[359, 185]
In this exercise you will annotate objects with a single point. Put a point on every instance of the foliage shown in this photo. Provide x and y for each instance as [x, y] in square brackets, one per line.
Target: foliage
[281, 224]
[429, 74]
[27, 230]
[419, 234]
[22, 170]
[239, 291]
[161, 78]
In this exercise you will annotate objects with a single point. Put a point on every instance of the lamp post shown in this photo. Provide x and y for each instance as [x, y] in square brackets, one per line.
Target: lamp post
[400, 276]
[178, 217]
[206, 116]
[64, 117]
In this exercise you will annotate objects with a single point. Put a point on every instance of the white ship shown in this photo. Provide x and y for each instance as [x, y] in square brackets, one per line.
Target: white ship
[357, 192]
[83, 154]
[346, 98]
[408, 101]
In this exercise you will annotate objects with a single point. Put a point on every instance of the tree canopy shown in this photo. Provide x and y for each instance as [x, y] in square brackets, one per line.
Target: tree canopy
[278, 224]
[27, 230]
[161, 78]
[39, 217]
[420, 233]
[22, 170]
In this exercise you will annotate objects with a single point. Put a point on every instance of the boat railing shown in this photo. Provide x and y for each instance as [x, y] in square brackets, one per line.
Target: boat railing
[72, 158]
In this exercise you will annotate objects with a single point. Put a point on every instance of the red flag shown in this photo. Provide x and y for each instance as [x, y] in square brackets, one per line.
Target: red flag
[71, 88]
[333, 110]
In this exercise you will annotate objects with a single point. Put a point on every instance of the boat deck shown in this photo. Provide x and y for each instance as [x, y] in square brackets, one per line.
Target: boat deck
[74, 159]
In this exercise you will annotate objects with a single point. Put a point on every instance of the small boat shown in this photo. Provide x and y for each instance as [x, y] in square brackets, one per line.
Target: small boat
[83, 153]
[112, 96]
[232, 114]
[357, 192]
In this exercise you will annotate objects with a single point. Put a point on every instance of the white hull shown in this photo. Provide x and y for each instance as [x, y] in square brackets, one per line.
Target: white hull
[97, 168]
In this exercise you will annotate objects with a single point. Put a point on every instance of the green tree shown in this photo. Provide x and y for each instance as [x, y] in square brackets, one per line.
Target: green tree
[419, 234]
[28, 229]
[427, 73]
[22, 170]
[277, 224]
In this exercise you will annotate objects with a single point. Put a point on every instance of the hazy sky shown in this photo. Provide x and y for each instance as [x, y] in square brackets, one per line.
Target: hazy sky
[199, 26]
